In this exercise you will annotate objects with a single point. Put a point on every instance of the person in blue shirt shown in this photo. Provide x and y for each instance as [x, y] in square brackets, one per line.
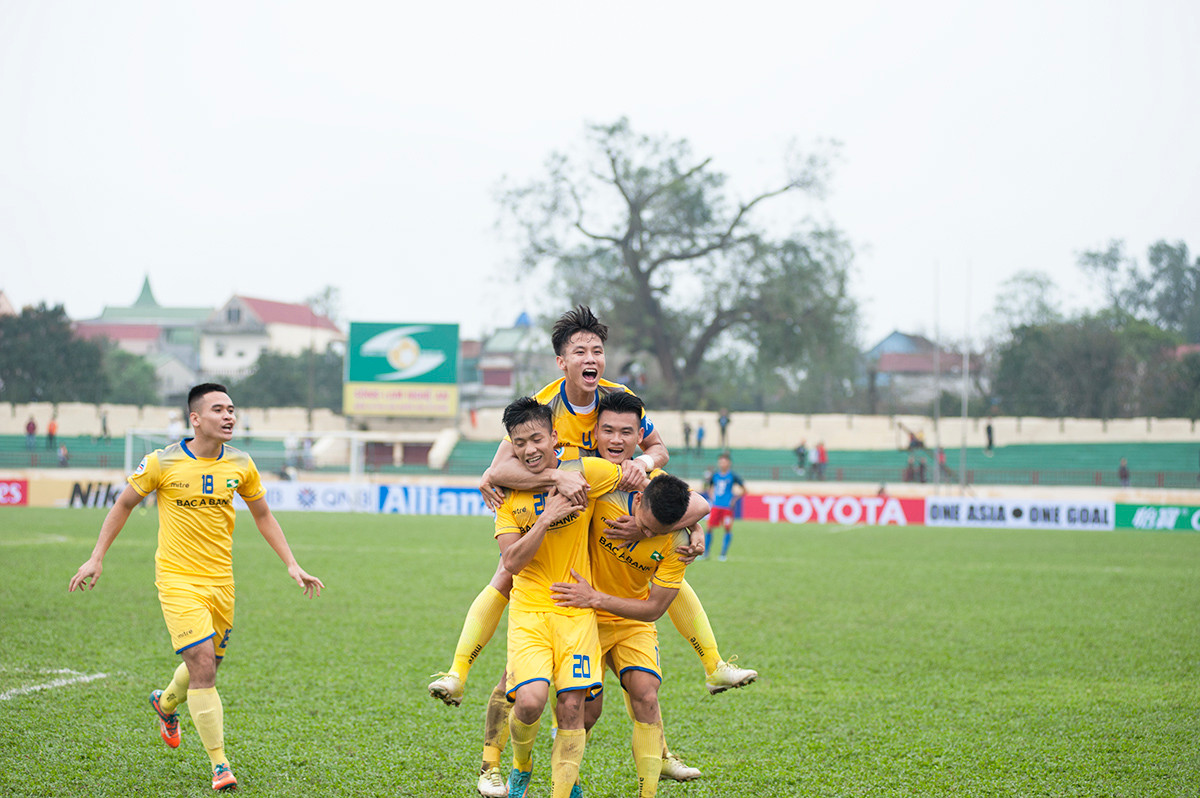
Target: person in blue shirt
[725, 489]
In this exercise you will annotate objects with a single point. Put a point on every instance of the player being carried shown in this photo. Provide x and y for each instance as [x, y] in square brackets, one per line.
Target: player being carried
[631, 587]
[195, 480]
[578, 338]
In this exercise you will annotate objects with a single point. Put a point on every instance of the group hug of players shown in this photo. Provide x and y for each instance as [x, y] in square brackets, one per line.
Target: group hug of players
[593, 544]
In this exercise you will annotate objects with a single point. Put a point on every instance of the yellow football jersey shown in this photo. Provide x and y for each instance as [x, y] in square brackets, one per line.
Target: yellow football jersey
[195, 509]
[628, 571]
[566, 543]
[576, 426]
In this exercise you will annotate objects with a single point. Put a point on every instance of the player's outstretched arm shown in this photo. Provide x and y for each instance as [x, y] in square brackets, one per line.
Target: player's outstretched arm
[653, 446]
[506, 471]
[89, 573]
[581, 594]
[272, 532]
[626, 527]
[695, 545]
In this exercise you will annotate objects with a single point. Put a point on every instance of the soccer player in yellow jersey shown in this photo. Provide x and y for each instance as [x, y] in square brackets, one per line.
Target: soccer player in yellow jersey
[630, 588]
[195, 480]
[649, 568]
[543, 539]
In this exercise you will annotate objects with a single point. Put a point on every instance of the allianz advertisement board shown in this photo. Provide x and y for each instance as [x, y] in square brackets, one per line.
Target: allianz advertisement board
[395, 369]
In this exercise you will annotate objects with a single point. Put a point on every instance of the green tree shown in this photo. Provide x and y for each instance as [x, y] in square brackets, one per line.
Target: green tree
[652, 238]
[41, 360]
[1166, 292]
[1101, 366]
[129, 379]
[283, 380]
[1028, 298]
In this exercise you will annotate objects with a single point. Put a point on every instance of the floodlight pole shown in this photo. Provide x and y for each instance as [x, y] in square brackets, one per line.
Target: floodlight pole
[937, 378]
[966, 370]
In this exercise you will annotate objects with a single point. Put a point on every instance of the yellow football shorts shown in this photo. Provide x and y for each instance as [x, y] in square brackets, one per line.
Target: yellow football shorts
[562, 650]
[627, 644]
[196, 613]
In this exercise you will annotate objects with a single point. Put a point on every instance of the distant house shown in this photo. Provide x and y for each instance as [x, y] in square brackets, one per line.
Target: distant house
[234, 335]
[174, 376]
[905, 372]
[510, 362]
[168, 337]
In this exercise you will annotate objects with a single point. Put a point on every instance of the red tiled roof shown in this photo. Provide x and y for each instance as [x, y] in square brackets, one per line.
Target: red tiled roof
[118, 332]
[270, 312]
[917, 363]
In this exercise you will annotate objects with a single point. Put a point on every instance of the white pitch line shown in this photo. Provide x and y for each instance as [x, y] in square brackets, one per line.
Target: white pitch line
[77, 678]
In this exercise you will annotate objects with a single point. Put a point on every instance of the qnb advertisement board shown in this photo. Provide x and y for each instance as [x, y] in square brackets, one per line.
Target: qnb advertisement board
[330, 497]
[846, 510]
[1020, 513]
[401, 370]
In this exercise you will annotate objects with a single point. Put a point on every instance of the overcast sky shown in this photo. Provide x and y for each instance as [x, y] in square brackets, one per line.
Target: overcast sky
[271, 149]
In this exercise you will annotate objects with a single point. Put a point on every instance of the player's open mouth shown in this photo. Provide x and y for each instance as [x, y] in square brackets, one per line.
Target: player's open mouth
[533, 459]
[591, 374]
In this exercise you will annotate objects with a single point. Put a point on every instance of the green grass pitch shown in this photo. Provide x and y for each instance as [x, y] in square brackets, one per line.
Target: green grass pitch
[893, 662]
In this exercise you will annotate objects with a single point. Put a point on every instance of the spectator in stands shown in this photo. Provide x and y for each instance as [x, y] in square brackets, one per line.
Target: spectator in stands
[700, 438]
[916, 440]
[991, 438]
[104, 425]
[30, 434]
[723, 423]
[910, 470]
[1123, 473]
[943, 469]
[921, 470]
[822, 461]
[687, 435]
[802, 458]
[51, 432]
[64, 457]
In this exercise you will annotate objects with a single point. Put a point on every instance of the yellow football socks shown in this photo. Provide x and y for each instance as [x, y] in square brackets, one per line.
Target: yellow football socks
[647, 757]
[523, 736]
[566, 755]
[689, 617]
[495, 727]
[478, 627]
[209, 717]
[176, 692]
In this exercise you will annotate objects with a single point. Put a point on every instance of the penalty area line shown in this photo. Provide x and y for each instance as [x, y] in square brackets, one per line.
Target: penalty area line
[75, 678]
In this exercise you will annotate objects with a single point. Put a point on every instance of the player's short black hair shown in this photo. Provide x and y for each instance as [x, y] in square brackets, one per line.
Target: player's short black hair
[667, 497]
[198, 392]
[580, 319]
[620, 402]
[525, 410]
